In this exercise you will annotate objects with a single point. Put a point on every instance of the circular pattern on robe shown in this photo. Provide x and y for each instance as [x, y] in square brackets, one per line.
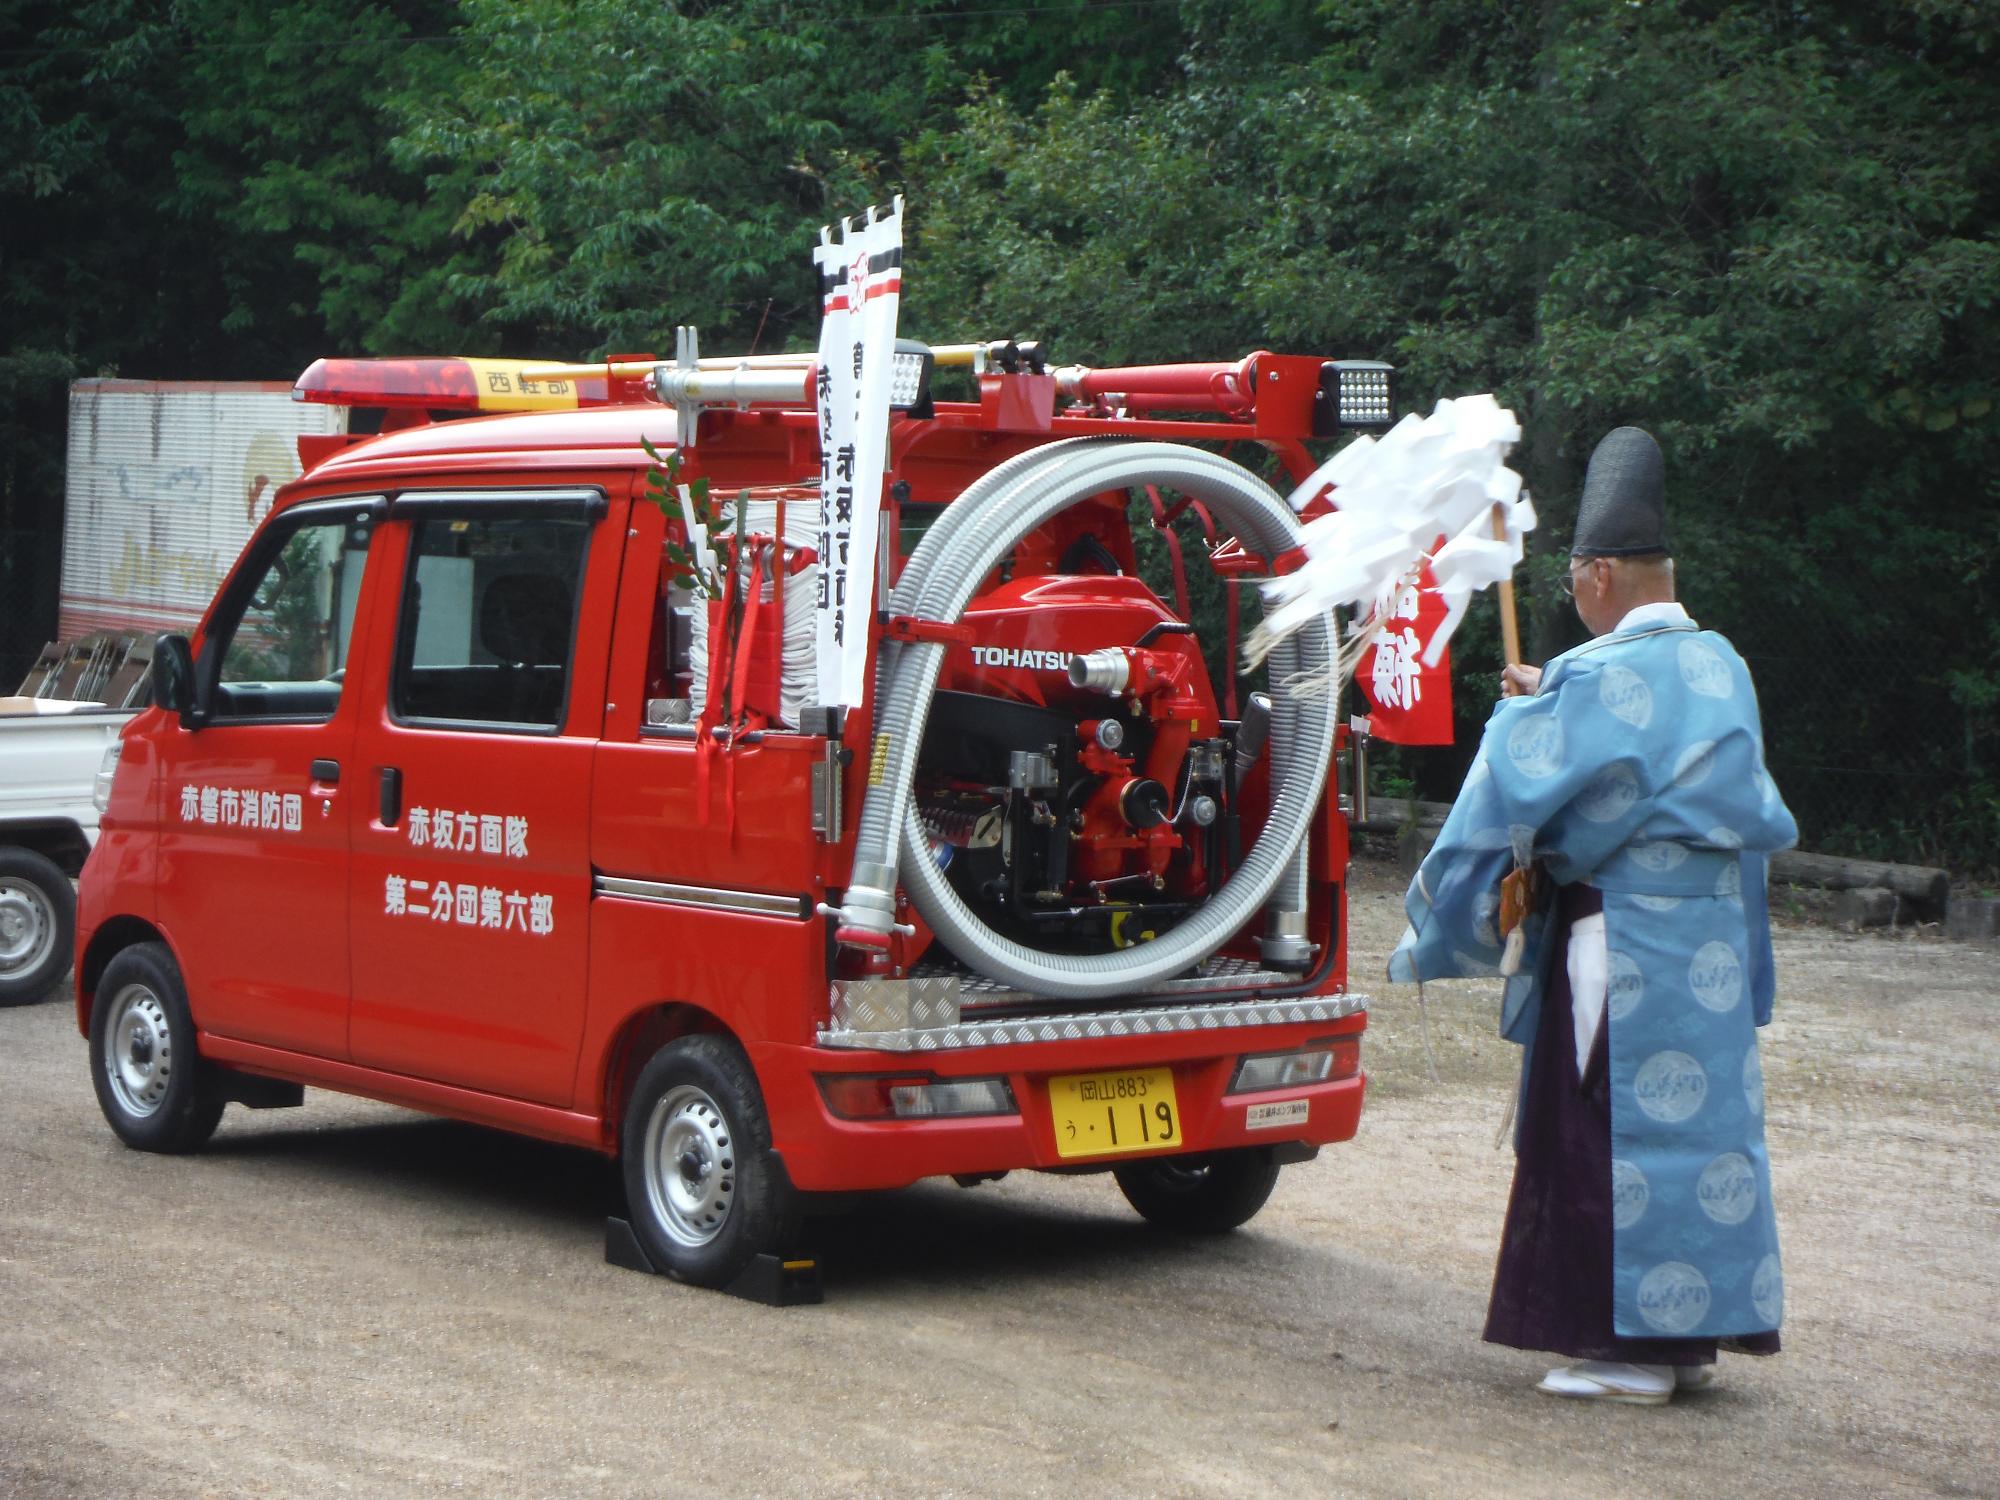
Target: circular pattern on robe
[1630, 1193]
[1727, 1191]
[1495, 837]
[1624, 692]
[1673, 1298]
[1753, 1080]
[1723, 837]
[1766, 787]
[1610, 796]
[1659, 856]
[1624, 985]
[1695, 764]
[1729, 883]
[1535, 745]
[1522, 837]
[1716, 977]
[1767, 1291]
[1655, 903]
[1670, 1087]
[1704, 670]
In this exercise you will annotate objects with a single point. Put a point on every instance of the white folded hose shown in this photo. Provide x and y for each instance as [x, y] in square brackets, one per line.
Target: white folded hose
[797, 670]
[967, 542]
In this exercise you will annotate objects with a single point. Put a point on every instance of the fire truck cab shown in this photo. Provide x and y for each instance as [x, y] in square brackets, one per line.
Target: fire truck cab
[465, 796]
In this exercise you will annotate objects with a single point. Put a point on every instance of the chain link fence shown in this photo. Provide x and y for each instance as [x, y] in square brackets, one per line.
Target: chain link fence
[1875, 754]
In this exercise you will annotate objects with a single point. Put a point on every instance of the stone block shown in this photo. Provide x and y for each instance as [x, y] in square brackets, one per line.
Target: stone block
[1413, 843]
[1973, 918]
[1865, 906]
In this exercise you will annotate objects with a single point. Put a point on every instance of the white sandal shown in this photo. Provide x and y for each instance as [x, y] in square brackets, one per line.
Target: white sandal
[1601, 1380]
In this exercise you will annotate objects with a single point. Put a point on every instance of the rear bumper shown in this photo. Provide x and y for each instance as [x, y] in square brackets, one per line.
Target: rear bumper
[825, 1153]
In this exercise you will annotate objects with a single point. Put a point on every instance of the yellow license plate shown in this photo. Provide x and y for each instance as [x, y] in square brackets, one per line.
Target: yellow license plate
[1105, 1114]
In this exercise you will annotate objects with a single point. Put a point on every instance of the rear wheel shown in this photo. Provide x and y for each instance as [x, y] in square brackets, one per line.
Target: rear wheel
[1207, 1194]
[704, 1190]
[37, 926]
[156, 1090]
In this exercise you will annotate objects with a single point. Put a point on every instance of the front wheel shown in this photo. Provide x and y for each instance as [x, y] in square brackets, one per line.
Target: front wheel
[156, 1090]
[705, 1192]
[1207, 1194]
[37, 925]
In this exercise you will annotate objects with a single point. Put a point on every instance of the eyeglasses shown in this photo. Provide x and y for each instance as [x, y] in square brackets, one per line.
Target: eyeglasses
[1569, 578]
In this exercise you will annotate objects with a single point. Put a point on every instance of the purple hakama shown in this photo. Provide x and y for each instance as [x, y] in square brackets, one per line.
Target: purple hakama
[1552, 1286]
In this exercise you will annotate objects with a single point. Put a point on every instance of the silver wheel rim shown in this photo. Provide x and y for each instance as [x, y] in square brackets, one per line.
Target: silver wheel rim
[27, 926]
[138, 1051]
[690, 1167]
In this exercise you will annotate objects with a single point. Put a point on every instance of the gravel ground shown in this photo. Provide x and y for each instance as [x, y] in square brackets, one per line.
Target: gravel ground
[351, 1299]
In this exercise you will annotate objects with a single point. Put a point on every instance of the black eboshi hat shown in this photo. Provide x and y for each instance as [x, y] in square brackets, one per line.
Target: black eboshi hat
[1623, 510]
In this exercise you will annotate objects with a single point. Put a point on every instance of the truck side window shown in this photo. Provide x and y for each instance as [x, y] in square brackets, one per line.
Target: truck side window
[287, 652]
[488, 624]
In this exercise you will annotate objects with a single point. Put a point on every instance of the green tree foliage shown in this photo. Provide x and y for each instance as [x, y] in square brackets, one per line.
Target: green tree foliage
[640, 165]
[288, 116]
[643, 166]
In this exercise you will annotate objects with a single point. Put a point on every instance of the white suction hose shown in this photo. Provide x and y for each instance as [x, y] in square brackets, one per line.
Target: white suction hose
[966, 543]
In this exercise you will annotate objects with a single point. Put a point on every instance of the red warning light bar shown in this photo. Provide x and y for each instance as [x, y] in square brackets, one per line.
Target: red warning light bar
[470, 385]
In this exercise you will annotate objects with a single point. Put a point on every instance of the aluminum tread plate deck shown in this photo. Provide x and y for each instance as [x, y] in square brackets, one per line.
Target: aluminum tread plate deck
[952, 1036]
[978, 993]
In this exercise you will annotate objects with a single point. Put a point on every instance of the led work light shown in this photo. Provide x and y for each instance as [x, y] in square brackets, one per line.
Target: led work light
[1353, 394]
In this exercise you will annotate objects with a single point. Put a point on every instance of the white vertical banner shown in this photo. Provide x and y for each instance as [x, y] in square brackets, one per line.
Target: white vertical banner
[861, 281]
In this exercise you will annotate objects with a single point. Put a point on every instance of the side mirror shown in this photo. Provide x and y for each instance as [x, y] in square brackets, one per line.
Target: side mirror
[172, 674]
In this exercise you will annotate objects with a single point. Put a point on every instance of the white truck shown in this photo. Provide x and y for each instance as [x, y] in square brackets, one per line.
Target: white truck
[51, 753]
[166, 480]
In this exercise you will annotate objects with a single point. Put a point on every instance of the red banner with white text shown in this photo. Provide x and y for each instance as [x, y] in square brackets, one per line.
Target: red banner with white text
[1408, 702]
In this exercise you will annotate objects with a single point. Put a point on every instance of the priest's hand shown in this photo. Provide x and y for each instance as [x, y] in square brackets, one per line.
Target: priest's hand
[1520, 682]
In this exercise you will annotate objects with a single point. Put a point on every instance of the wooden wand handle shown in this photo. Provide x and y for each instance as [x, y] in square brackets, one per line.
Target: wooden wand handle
[1510, 626]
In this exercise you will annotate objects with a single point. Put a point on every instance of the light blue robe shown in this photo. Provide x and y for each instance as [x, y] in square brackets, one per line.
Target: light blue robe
[1639, 767]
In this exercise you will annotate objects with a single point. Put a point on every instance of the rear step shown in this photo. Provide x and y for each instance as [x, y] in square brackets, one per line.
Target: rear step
[948, 1011]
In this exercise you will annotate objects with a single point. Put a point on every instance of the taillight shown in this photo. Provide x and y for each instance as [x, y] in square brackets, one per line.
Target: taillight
[920, 1096]
[107, 772]
[1283, 1070]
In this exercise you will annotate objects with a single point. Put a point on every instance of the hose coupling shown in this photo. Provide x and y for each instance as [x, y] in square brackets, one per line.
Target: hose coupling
[867, 914]
[1284, 945]
[1105, 671]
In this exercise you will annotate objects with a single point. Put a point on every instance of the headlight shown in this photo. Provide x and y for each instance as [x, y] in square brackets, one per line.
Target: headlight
[107, 771]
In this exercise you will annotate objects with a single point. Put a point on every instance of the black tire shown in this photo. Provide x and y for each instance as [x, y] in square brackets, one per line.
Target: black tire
[37, 926]
[704, 1191]
[1209, 1194]
[154, 1086]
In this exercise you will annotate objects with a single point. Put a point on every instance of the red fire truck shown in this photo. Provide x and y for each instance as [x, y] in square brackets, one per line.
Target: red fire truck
[473, 793]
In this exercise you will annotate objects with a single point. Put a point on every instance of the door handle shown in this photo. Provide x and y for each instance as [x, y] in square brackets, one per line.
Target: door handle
[392, 795]
[326, 770]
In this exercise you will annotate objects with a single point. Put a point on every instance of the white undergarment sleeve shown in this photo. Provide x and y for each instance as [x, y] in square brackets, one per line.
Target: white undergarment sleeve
[1589, 979]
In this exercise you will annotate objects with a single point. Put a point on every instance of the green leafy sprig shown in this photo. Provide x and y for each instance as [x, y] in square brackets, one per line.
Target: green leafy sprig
[663, 489]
